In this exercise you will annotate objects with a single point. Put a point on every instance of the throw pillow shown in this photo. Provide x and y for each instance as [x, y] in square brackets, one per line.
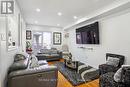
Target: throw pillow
[112, 61]
[117, 75]
[34, 62]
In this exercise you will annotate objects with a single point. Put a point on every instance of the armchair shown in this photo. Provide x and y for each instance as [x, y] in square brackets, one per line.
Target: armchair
[104, 68]
[107, 80]
[22, 74]
[43, 76]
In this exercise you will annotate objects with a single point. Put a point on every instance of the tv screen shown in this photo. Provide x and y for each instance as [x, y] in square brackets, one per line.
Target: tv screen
[88, 34]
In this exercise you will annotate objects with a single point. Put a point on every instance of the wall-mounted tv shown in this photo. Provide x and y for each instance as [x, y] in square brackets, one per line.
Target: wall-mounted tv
[88, 34]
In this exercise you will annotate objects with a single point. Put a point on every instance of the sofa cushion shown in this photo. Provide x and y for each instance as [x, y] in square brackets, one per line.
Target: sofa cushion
[22, 64]
[45, 51]
[112, 61]
[53, 51]
[56, 55]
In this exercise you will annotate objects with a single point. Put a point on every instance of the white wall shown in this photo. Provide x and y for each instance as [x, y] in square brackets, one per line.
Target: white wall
[47, 29]
[6, 57]
[114, 38]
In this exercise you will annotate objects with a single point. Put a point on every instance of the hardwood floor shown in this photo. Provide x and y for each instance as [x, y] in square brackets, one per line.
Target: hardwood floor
[63, 82]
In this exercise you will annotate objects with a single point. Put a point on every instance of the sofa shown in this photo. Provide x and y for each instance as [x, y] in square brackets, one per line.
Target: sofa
[104, 68]
[49, 54]
[113, 73]
[20, 74]
[107, 79]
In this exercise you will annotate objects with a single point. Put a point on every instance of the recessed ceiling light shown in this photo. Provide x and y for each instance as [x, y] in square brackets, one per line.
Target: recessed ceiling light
[75, 17]
[58, 24]
[59, 13]
[36, 22]
[38, 10]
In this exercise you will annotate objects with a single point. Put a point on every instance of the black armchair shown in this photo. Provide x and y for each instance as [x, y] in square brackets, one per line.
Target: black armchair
[107, 80]
[104, 68]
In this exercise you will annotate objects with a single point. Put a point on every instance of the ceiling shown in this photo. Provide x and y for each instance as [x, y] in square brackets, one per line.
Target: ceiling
[49, 9]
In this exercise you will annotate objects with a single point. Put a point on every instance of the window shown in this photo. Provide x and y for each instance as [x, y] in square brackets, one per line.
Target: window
[47, 40]
[41, 40]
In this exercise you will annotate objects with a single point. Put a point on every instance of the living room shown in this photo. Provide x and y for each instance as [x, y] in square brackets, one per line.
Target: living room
[62, 20]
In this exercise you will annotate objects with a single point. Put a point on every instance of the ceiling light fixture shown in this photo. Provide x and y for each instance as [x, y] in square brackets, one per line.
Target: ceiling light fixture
[38, 10]
[58, 24]
[59, 13]
[75, 17]
[36, 22]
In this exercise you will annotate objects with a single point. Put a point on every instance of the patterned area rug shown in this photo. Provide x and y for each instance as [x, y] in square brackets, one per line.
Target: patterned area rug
[75, 78]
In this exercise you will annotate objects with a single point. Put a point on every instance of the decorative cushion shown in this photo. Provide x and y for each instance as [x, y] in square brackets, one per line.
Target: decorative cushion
[112, 61]
[54, 54]
[34, 62]
[53, 48]
[117, 75]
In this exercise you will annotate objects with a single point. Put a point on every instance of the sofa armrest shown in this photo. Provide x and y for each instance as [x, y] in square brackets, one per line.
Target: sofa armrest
[19, 65]
[44, 68]
[39, 77]
[126, 75]
[104, 68]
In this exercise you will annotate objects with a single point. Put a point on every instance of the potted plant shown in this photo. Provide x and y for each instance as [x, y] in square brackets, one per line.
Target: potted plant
[28, 46]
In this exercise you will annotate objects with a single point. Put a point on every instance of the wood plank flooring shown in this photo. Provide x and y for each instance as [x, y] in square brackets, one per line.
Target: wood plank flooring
[63, 82]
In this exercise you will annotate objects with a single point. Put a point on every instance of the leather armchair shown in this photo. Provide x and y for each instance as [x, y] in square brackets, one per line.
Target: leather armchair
[43, 76]
[21, 75]
[107, 79]
[104, 68]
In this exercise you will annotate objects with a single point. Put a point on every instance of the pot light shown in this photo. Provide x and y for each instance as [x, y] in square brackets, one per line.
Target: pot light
[59, 13]
[75, 17]
[36, 22]
[58, 24]
[38, 10]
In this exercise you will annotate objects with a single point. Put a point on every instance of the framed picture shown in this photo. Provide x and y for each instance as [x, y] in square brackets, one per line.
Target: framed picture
[57, 38]
[12, 29]
[28, 34]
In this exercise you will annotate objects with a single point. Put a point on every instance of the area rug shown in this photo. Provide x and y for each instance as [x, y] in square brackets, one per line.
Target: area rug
[73, 76]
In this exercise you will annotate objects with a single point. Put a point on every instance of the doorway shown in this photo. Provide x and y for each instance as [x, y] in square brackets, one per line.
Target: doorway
[41, 40]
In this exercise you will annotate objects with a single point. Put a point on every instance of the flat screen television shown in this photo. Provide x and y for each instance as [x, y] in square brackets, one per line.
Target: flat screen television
[88, 34]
